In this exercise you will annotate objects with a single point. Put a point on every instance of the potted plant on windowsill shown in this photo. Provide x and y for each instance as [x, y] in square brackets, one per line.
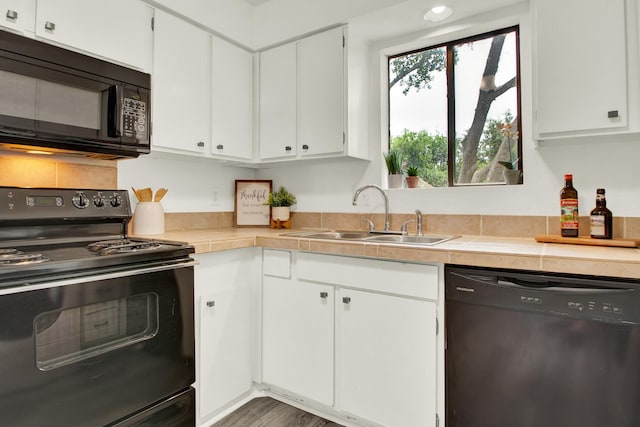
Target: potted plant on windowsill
[393, 159]
[280, 202]
[412, 177]
[511, 173]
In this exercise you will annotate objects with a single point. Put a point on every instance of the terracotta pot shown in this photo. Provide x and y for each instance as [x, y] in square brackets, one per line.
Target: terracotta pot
[412, 181]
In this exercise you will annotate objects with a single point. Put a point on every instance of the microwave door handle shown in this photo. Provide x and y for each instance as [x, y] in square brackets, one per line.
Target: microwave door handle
[114, 111]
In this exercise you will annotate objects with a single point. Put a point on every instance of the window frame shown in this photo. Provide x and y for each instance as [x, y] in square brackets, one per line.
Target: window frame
[450, 74]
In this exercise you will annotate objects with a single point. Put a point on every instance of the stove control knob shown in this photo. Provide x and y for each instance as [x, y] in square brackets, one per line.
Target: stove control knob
[98, 201]
[80, 201]
[115, 201]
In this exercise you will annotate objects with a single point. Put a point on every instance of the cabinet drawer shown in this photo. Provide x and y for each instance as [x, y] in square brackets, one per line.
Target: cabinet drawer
[276, 263]
[415, 280]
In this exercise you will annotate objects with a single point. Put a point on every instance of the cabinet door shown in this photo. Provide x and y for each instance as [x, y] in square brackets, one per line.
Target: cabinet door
[18, 15]
[321, 93]
[581, 72]
[297, 337]
[386, 358]
[181, 85]
[223, 297]
[231, 100]
[278, 102]
[119, 30]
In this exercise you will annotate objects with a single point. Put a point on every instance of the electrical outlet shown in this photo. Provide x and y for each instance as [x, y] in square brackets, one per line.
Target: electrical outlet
[214, 197]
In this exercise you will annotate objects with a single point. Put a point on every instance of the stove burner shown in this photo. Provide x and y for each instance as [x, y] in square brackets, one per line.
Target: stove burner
[121, 246]
[16, 257]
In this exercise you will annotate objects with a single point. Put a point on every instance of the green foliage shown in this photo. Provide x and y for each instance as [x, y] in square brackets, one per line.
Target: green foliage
[280, 198]
[393, 159]
[416, 70]
[412, 171]
[428, 153]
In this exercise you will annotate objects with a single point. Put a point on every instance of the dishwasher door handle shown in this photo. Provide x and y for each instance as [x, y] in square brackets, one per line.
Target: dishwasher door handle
[557, 287]
[540, 284]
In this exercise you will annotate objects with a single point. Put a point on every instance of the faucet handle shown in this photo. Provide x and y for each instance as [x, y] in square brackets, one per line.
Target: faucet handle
[370, 223]
[403, 227]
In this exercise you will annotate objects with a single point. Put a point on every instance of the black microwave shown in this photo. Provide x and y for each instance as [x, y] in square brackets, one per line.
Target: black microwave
[56, 100]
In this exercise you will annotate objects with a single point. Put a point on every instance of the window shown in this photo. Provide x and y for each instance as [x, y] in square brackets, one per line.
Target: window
[454, 110]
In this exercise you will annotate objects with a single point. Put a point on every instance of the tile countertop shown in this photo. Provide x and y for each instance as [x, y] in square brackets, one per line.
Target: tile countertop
[485, 251]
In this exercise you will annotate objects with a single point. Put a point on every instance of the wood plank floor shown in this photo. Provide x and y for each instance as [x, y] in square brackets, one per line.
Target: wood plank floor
[267, 412]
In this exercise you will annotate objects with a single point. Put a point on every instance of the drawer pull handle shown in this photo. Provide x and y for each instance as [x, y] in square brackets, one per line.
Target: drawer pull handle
[12, 14]
[219, 146]
[305, 147]
[612, 114]
[211, 303]
[324, 294]
[346, 300]
[51, 26]
[287, 148]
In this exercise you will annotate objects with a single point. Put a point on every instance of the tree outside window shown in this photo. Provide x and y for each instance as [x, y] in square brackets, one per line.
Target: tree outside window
[454, 110]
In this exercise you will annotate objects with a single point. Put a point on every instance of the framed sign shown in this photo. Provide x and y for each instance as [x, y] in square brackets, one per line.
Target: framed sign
[250, 210]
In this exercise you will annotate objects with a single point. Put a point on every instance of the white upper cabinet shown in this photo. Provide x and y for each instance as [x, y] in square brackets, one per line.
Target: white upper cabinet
[302, 98]
[18, 15]
[117, 30]
[321, 94]
[586, 73]
[231, 100]
[277, 104]
[181, 86]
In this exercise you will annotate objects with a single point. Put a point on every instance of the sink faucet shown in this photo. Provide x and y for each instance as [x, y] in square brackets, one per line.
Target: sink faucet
[418, 222]
[386, 201]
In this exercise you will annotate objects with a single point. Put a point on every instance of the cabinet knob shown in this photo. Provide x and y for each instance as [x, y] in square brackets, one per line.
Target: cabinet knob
[219, 146]
[324, 294]
[305, 147]
[12, 14]
[287, 148]
[612, 114]
[346, 300]
[51, 26]
[200, 144]
[211, 303]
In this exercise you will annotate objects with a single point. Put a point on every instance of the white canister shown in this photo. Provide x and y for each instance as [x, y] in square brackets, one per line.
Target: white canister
[148, 218]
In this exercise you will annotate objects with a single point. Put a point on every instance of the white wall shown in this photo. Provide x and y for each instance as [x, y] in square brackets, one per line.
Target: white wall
[195, 185]
[328, 185]
[603, 163]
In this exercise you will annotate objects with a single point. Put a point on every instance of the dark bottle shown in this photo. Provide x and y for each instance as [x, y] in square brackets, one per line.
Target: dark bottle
[601, 218]
[568, 208]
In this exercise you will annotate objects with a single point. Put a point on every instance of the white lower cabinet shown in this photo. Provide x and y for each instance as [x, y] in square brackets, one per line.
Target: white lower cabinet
[297, 337]
[223, 293]
[386, 358]
[358, 336]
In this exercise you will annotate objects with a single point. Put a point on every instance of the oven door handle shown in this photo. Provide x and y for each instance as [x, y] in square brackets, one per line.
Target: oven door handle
[100, 276]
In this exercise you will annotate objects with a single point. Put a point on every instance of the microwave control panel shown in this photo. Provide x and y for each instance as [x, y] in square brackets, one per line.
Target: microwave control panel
[134, 118]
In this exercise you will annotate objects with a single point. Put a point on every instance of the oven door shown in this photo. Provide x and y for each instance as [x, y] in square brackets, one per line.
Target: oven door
[92, 351]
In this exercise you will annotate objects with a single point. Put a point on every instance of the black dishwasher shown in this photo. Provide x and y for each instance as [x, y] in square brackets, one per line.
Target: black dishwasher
[527, 349]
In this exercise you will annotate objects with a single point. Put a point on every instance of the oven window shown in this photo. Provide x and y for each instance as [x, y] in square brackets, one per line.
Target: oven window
[70, 335]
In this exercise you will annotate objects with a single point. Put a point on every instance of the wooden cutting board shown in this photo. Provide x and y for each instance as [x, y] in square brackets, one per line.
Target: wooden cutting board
[620, 243]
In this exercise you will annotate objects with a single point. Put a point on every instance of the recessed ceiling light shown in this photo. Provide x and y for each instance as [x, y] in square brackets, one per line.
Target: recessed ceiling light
[438, 13]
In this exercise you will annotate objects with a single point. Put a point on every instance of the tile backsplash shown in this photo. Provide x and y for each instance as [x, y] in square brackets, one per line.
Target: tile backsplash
[57, 172]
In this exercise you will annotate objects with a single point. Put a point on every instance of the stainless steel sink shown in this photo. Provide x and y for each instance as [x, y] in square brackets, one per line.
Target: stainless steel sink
[426, 240]
[332, 234]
